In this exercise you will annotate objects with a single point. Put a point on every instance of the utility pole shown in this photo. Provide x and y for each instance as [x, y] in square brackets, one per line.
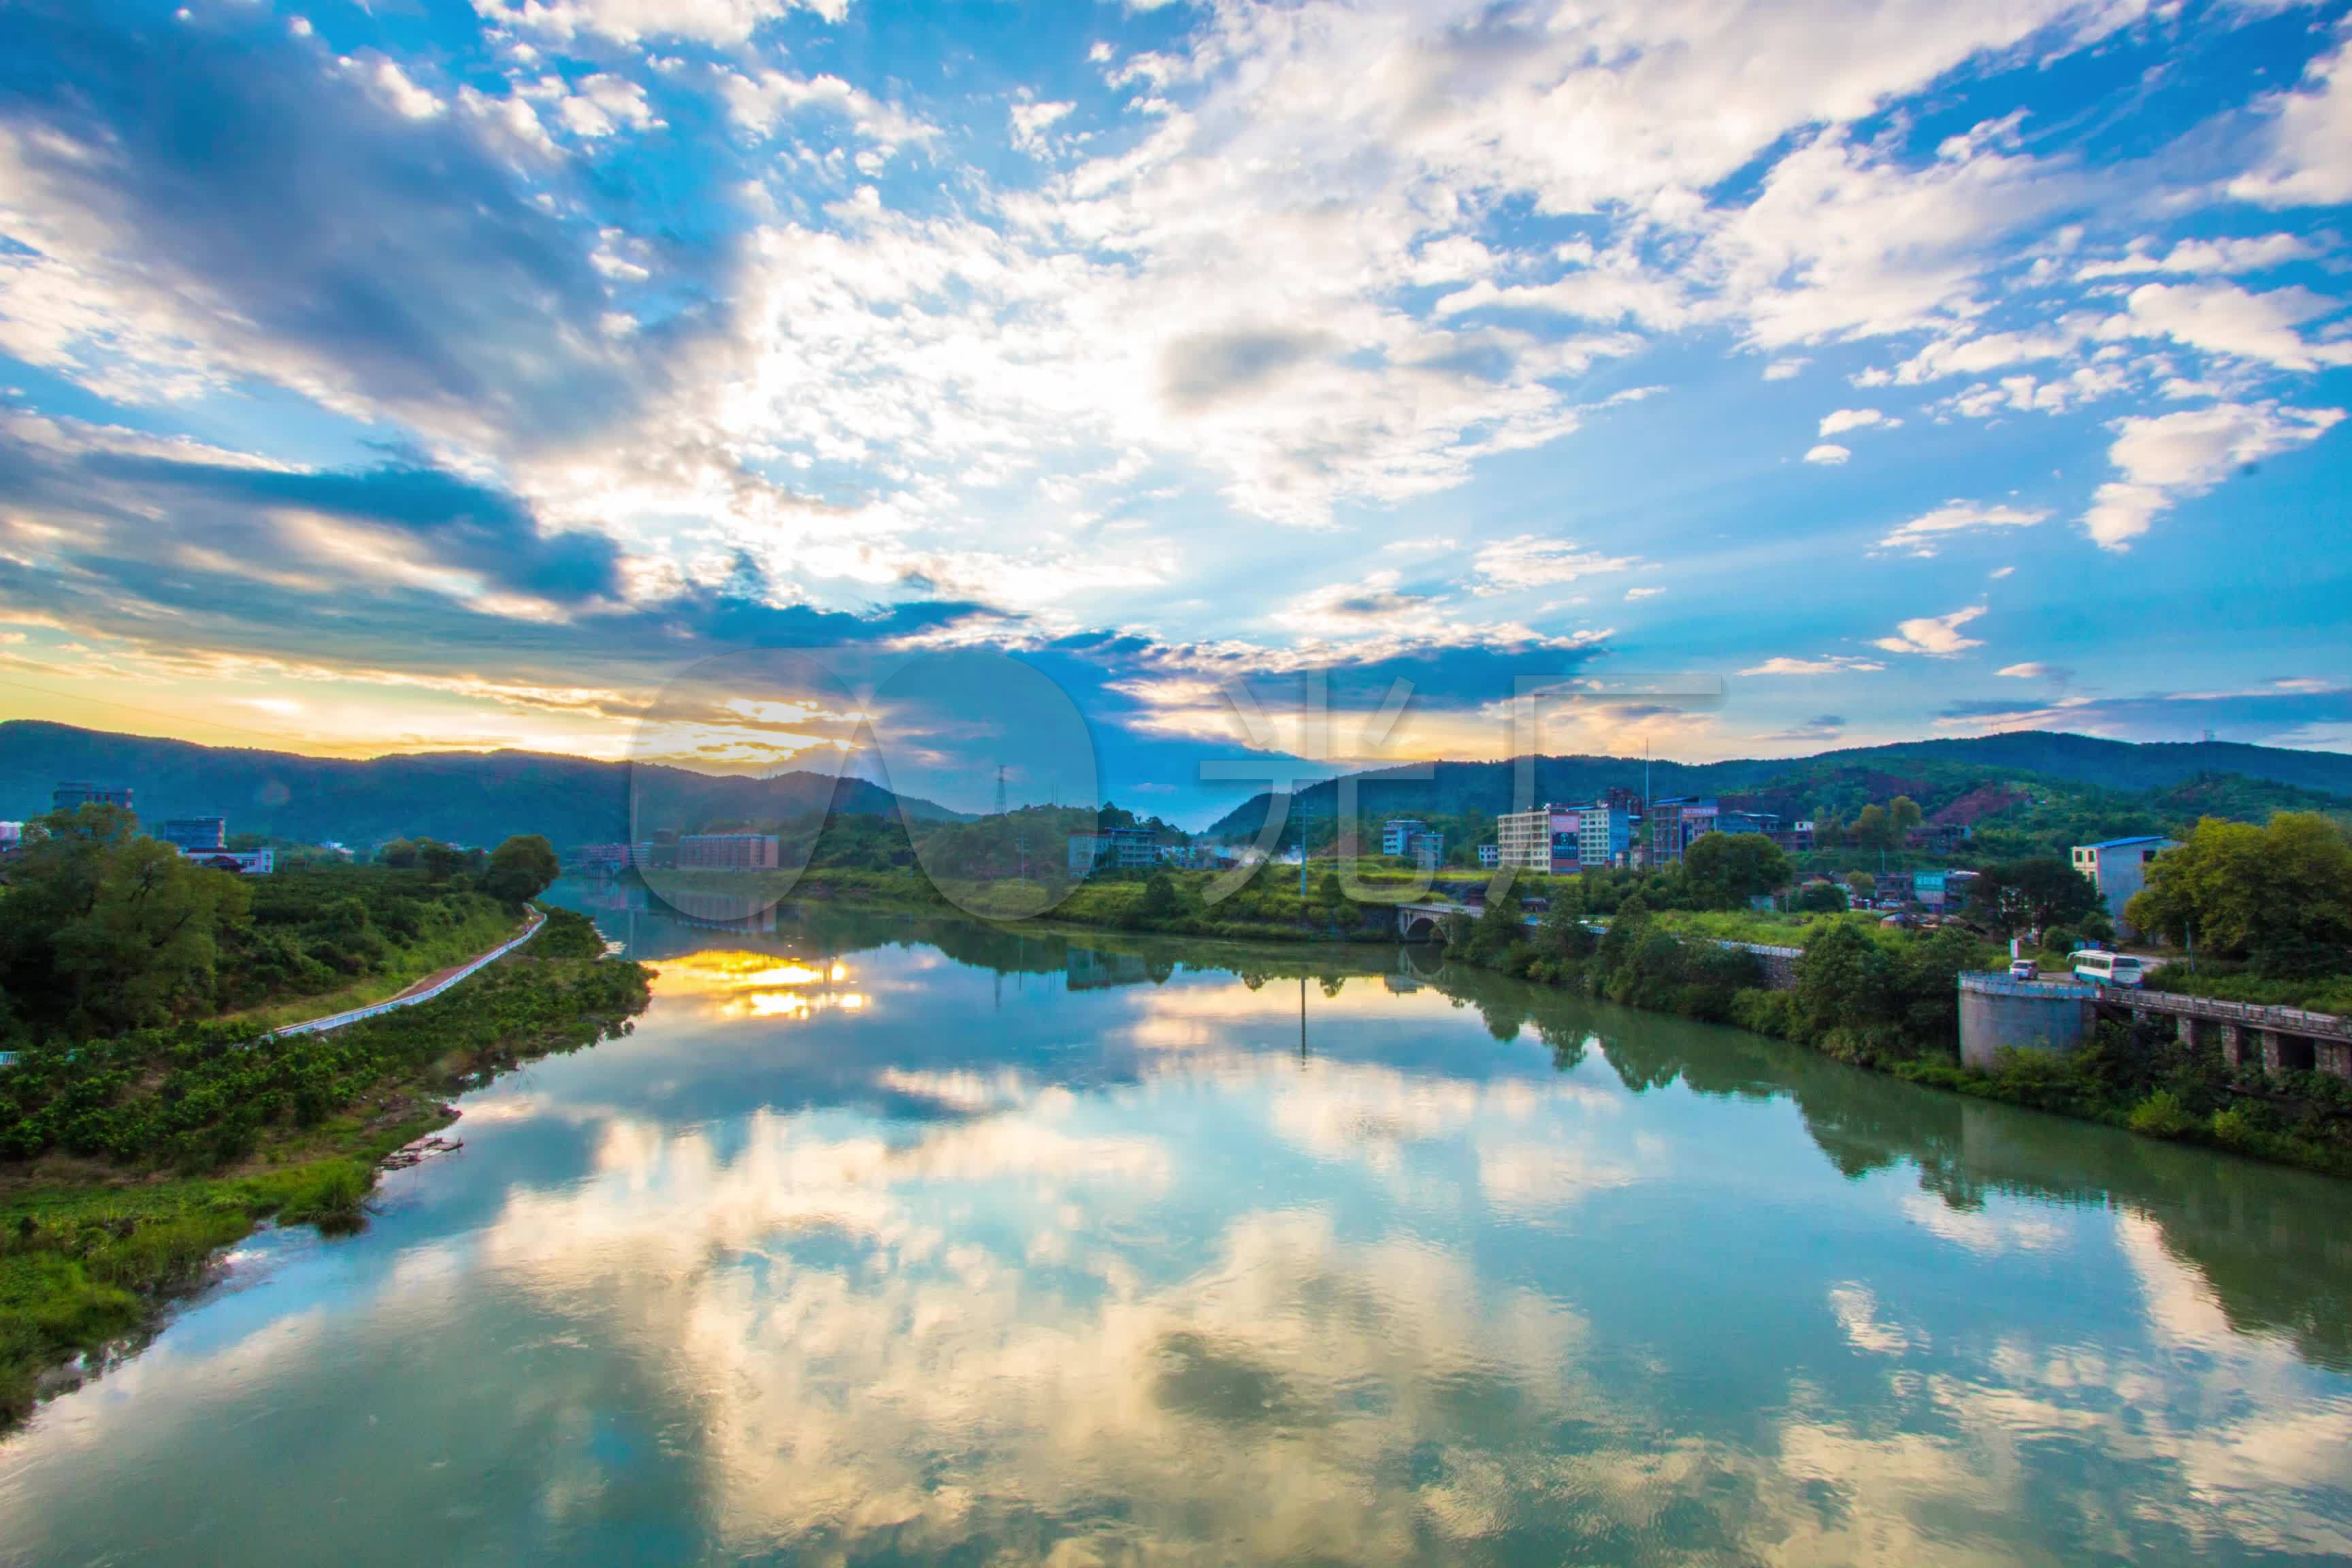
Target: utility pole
[1000, 789]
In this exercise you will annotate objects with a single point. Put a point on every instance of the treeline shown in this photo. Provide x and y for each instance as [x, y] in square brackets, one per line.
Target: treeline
[104, 930]
[1858, 997]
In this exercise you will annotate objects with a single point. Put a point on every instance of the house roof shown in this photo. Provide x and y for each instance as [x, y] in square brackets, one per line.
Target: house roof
[2119, 843]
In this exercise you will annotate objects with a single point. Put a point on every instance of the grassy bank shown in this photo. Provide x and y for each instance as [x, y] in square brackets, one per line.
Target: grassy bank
[127, 1164]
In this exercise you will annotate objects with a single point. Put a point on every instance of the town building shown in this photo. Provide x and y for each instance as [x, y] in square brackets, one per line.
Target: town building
[606, 859]
[1490, 856]
[12, 834]
[1605, 833]
[1409, 838]
[71, 794]
[1673, 823]
[2118, 869]
[727, 852]
[1544, 839]
[243, 862]
[1796, 838]
[190, 834]
[1113, 849]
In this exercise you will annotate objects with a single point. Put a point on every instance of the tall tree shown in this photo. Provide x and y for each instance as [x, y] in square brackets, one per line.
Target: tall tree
[2280, 894]
[521, 868]
[1727, 869]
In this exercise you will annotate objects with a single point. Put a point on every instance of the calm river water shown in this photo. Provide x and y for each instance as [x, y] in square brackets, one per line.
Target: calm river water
[886, 1242]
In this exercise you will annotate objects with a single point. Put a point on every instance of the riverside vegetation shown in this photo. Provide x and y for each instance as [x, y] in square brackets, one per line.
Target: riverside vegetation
[147, 1122]
[2276, 902]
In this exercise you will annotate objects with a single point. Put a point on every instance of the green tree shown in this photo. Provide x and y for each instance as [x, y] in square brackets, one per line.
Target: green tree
[2280, 894]
[400, 854]
[102, 928]
[1870, 828]
[521, 868]
[1727, 869]
[1903, 814]
[2032, 894]
[1158, 895]
[1820, 898]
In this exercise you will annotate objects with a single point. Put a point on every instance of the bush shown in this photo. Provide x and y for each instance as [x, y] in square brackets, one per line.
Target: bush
[2161, 1115]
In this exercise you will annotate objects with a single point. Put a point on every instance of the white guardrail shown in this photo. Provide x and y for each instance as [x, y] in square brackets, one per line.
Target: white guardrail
[337, 1020]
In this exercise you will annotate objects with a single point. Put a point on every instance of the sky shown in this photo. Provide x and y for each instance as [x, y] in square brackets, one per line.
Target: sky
[1365, 383]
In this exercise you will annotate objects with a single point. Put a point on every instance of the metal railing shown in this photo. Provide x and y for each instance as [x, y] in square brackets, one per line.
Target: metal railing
[1988, 984]
[2213, 1009]
[337, 1020]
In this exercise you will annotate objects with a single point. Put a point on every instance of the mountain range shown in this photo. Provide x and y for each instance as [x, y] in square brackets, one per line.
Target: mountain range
[1879, 772]
[466, 797]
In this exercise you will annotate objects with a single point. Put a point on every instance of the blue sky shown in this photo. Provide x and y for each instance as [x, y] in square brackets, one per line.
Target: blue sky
[434, 373]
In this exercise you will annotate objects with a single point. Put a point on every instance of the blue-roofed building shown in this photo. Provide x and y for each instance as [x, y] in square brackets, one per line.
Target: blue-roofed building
[2118, 869]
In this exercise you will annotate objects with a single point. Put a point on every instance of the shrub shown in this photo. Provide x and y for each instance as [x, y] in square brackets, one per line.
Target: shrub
[2161, 1115]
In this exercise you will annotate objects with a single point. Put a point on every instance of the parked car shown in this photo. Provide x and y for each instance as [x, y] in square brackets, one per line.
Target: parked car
[2024, 969]
[2104, 968]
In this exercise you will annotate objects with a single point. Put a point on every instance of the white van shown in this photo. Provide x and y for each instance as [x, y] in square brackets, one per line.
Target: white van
[2104, 968]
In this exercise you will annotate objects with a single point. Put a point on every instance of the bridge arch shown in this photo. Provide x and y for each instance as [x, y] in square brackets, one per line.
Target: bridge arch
[1420, 928]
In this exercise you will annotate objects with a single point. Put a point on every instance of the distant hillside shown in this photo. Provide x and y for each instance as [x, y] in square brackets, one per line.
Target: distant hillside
[1874, 771]
[468, 798]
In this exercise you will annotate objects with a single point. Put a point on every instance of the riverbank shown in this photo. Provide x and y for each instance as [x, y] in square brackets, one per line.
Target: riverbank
[143, 1158]
[1890, 1006]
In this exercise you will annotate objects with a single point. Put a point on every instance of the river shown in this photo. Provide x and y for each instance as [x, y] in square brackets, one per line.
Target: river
[899, 1242]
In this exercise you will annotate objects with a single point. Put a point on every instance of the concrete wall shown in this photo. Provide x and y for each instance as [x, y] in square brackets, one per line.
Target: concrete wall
[1998, 1013]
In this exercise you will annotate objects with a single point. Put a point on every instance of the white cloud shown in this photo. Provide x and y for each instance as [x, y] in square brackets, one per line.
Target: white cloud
[599, 106]
[2165, 458]
[1842, 419]
[760, 102]
[1786, 369]
[1633, 594]
[1827, 452]
[1031, 120]
[402, 93]
[1529, 561]
[1966, 355]
[628, 21]
[1922, 533]
[2304, 162]
[1937, 635]
[2192, 255]
[2223, 318]
[1828, 664]
[2029, 671]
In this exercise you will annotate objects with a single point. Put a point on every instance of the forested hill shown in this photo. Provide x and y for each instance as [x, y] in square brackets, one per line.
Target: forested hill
[1880, 770]
[468, 797]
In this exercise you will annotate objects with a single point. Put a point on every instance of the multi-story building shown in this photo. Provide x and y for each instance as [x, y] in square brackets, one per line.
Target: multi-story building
[727, 852]
[1113, 849]
[73, 793]
[1796, 838]
[1673, 823]
[1490, 856]
[1544, 839]
[191, 834]
[1605, 834]
[2118, 869]
[1409, 838]
[608, 859]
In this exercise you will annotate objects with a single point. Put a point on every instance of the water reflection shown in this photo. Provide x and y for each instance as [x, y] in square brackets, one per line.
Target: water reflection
[1060, 1251]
